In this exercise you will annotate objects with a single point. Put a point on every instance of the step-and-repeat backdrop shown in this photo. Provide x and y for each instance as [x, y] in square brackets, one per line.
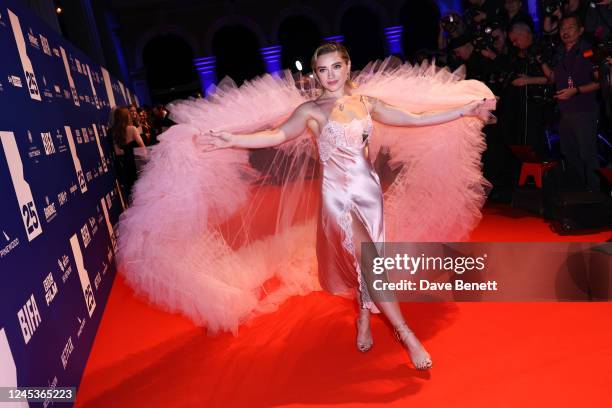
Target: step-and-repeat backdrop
[59, 201]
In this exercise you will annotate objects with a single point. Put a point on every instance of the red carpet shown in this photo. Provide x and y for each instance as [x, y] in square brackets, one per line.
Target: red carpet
[485, 354]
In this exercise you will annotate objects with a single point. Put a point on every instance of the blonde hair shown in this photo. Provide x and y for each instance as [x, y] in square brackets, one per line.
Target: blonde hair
[328, 48]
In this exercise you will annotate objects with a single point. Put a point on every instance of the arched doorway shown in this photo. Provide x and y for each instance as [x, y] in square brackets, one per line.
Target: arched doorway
[237, 51]
[298, 37]
[168, 60]
[363, 35]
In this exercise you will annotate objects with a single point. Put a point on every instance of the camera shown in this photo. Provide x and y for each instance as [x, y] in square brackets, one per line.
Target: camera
[550, 6]
[600, 52]
[483, 38]
[451, 22]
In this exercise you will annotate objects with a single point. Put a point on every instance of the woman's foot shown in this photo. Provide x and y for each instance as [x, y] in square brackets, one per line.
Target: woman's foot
[419, 356]
[364, 334]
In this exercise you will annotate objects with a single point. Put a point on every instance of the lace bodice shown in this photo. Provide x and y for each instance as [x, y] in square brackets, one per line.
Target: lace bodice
[336, 134]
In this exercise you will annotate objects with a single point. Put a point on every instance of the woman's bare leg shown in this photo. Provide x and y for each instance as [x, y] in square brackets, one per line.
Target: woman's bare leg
[419, 356]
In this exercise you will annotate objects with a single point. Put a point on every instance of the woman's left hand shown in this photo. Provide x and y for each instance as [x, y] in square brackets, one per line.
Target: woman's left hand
[476, 109]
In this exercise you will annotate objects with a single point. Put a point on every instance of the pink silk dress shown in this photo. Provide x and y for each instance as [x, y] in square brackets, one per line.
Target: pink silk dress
[350, 193]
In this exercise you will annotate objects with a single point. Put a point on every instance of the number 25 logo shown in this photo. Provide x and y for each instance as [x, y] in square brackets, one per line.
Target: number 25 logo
[30, 215]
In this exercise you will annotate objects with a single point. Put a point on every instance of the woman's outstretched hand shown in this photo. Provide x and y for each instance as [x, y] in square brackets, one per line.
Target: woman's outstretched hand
[216, 140]
[476, 109]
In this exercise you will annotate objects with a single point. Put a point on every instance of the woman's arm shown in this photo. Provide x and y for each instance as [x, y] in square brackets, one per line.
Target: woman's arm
[294, 126]
[392, 115]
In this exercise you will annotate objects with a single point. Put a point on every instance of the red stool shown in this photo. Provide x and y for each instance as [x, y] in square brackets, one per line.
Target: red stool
[536, 170]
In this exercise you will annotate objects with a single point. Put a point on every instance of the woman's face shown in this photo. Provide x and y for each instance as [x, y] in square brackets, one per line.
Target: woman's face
[332, 71]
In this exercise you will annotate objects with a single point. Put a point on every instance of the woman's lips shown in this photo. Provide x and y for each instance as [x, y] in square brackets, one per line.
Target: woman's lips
[332, 83]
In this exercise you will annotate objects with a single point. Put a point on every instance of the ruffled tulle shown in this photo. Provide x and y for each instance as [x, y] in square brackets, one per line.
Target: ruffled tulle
[223, 236]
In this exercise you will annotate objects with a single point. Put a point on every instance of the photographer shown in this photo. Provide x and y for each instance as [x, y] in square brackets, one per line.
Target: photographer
[527, 98]
[555, 10]
[481, 11]
[576, 85]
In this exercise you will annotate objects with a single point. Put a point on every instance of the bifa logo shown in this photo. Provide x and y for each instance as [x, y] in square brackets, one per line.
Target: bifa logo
[68, 349]
[75, 96]
[48, 143]
[26, 64]
[90, 300]
[85, 235]
[100, 151]
[50, 288]
[65, 267]
[22, 189]
[29, 319]
[50, 211]
[75, 160]
[45, 44]
[9, 244]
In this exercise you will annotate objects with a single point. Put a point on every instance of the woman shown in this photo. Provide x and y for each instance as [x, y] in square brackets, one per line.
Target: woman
[125, 138]
[194, 184]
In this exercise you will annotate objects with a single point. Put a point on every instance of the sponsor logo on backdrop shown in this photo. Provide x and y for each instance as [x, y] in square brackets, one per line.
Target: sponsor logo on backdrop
[81, 326]
[50, 288]
[109, 88]
[85, 135]
[73, 189]
[109, 226]
[97, 280]
[79, 139]
[33, 151]
[27, 207]
[93, 88]
[75, 96]
[33, 39]
[8, 372]
[100, 151]
[26, 64]
[90, 300]
[50, 211]
[65, 267]
[15, 81]
[68, 349]
[85, 235]
[59, 136]
[29, 319]
[45, 44]
[62, 198]
[8, 244]
[93, 225]
[78, 66]
[51, 386]
[88, 176]
[47, 143]
[75, 159]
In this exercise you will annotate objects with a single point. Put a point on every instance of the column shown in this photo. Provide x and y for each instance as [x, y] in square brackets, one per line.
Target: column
[206, 68]
[394, 40]
[272, 58]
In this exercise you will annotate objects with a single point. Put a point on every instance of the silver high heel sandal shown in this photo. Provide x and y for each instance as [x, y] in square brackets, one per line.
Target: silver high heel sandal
[363, 346]
[402, 332]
